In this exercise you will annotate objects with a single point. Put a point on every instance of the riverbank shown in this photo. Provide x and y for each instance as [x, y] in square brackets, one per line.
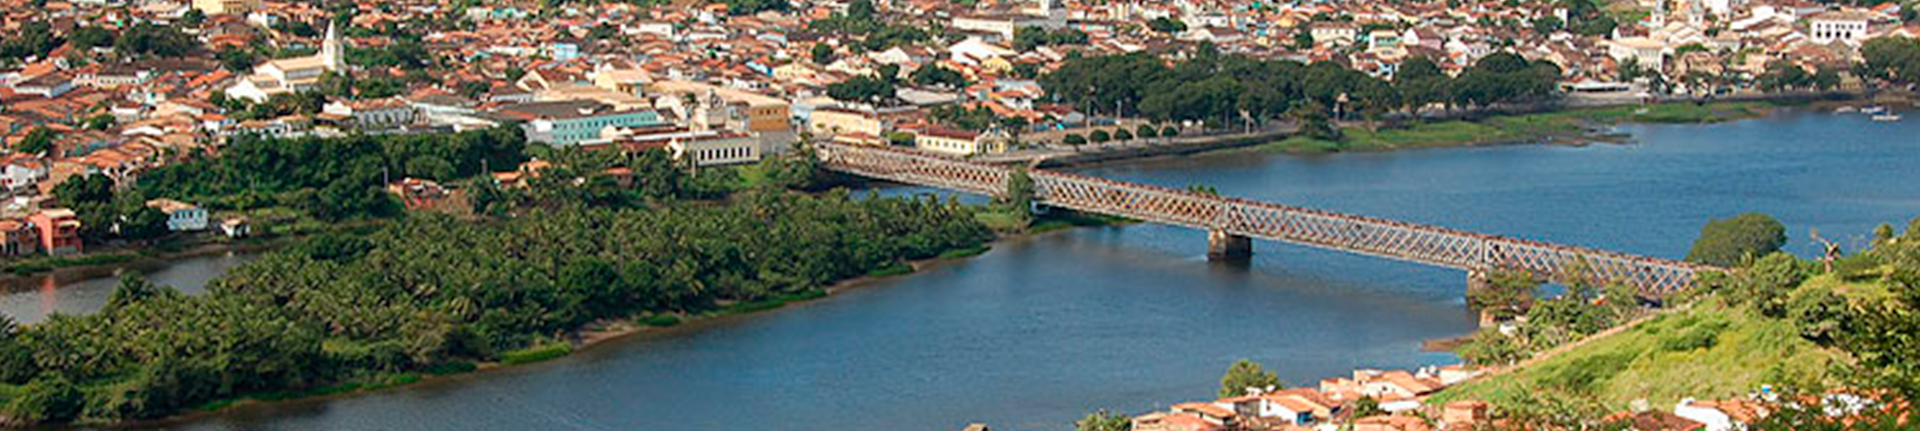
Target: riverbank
[68, 269]
[1579, 126]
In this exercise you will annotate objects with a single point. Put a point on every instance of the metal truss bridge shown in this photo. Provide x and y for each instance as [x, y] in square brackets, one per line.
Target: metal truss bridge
[1231, 221]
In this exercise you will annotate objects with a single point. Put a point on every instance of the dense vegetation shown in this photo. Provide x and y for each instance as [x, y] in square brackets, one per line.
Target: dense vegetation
[1802, 327]
[424, 293]
[1222, 90]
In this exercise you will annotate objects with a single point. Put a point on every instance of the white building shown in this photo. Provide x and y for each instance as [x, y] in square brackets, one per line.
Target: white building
[385, 113]
[181, 216]
[291, 75]
[1843, 26]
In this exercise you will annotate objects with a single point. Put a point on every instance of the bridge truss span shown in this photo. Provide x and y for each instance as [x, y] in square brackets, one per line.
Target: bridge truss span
[1433, 245]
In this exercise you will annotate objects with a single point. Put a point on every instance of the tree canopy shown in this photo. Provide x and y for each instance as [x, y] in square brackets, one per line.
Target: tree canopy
[1732, 241]
[1245, 374]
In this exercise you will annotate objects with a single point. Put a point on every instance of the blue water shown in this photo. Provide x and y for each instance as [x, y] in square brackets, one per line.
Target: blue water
[1039, 331]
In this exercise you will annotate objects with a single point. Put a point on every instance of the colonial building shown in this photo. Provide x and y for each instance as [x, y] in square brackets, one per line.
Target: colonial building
[570, 123]
[291, 75]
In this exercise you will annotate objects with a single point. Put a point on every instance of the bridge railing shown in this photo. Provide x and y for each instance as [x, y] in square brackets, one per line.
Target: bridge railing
[1392, 239]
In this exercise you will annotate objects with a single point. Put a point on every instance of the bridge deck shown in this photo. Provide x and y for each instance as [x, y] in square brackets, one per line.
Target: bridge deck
[1392, 239]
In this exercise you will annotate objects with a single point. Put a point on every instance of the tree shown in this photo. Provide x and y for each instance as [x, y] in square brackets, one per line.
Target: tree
[936, 75]
[1099, 136]
[38, 141]
[1170, 132]
[1103, 421]
[1896, 59]
[1074, 139]
[132, 289]
[1167, 25]
[1146, 131]
[1732, 241]
[142, 222]
[1122, 135]
[1364, 407]
[863, 89]
[1782, 75]
[1245, 374]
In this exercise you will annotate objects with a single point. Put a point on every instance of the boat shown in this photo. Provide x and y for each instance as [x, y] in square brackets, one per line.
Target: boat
[1846, 110]
[1874, 110]
[1887, 117]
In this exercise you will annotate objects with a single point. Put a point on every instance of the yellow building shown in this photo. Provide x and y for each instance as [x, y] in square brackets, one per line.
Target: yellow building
[960, 143]
[217, 7]
[838, 121]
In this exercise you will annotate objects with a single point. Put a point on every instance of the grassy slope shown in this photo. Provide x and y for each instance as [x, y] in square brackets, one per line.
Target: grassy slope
[1654, 361]
[1651, 360]
[1514, 128]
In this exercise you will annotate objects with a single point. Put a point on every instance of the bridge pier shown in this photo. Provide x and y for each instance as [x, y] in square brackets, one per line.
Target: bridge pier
[1226, 246]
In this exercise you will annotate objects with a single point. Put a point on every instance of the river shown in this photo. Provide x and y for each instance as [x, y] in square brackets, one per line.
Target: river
[1039, 331]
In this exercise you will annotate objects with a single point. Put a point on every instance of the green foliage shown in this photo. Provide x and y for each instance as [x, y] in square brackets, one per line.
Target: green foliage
[1245, 374]
[34, 39]
[937, 75]
[1167, 25]
[1732, 241]
[39, 140]
[1074, 139]
[161, 41]
[822, 54]
[1103, 421]
[403, 53]
[1099, 136]
[1146, 131]
[750, 7]
[1893, 58]
[863, 89]
[330, 179]
[422, 292]
[537, 353]
[1490, 347]
[46, 399]
[1028, 38]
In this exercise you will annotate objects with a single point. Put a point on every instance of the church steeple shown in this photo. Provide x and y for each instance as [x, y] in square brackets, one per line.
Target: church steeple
[331, 54]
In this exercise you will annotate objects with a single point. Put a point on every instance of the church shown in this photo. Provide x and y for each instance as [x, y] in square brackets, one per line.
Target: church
[292, 75]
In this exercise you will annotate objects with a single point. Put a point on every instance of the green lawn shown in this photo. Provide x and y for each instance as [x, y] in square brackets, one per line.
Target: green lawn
[1708, 352]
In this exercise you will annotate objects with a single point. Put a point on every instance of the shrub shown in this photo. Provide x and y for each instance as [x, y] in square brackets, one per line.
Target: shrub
[538, 353]
[1698, 337]
[1170, 131]
[1100, 136]
[1074, 139]
[1122, 135]
[1146, 131]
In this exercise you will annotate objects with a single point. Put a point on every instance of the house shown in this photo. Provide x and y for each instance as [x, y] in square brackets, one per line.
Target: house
[387, 113]
[1843, 26]
[1391, 423]
[224, 7]
[18, 237]
[960, 142]
[1335, 32]
[49, 85]
[181, 216]
[1174, 421]
[833, 121]
[236, 227]
[59, 231]
[22, 172]
[716, 148]
[1463, 414]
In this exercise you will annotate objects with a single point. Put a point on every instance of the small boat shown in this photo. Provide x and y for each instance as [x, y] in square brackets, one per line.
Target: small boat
[1846, 110]
[1887, 117]
[1874, 110]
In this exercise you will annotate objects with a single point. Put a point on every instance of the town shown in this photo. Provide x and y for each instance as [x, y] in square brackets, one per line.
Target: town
[96, 95]
[117, 88]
